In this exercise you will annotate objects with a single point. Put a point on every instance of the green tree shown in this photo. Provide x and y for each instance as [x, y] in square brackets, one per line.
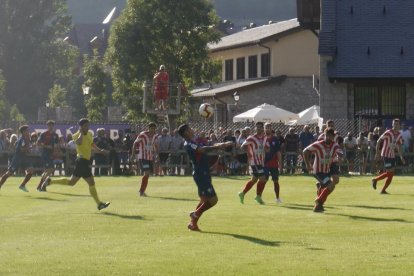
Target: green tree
[57, 96]
[153, 32]
[3, 101]
[33, 55]
[95, 79]
[15, 114]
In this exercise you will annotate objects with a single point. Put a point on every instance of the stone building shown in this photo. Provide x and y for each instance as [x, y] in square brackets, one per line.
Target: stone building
[275, 64]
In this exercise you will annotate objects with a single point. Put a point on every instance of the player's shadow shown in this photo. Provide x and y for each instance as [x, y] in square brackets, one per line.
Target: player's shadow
[376, 207]
[247, 238]
[48, 198]
[66, 194]
[136, 217]
[371, 218]
[173, 198]
[305, 207]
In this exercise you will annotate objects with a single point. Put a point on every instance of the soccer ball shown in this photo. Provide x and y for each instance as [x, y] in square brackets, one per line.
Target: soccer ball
[206, 110]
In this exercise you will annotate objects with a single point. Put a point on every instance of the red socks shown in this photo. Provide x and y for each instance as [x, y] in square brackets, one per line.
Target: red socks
[390, 175]
[144, 183]
[323, 195]
[276, 187]
[260, 188]
[248, 186]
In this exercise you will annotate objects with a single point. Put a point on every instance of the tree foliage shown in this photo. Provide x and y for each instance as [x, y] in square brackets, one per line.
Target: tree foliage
[58, 96]
[153, 32]
[3, 101]
[95, 79]
[33, 55]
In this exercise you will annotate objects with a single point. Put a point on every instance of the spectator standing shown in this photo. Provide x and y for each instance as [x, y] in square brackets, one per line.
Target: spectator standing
[350, 151]
[177, 143]
[101, 158]
[282, 142]
[306, 138]
[363, 145]
[164, 145]
[292, 150]
[4, 146]
[228, 157]
[406, 136]
[371, 152]
[242, 155]
[161, 85]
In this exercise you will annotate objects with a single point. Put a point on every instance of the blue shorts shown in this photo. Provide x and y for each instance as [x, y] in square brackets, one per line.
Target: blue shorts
[47, 162]
[258, 170]
[20, 163]
[389, 163]
[274, 172]
[334, 169]
[204, 185]
[323, 178]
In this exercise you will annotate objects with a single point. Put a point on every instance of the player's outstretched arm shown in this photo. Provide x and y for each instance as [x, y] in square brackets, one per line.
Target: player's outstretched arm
[218, 146]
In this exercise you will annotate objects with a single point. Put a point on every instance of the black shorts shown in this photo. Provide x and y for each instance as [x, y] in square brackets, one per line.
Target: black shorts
[258, 170]
[323, 178]
[389, 163]
[164, 157]
[204, 185]
[146, 165]
[274, 172]
[83, 168]
[334, 169]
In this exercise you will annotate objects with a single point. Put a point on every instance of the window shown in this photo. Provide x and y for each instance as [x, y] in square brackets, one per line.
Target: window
[228, 70]
[252, 67]
[381, 101]
[240, 68]
[265, 59]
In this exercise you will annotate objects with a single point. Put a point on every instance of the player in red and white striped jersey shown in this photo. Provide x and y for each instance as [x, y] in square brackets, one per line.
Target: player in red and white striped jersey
[391, 141]
[255, 147]
[325, 152]
[147, 149]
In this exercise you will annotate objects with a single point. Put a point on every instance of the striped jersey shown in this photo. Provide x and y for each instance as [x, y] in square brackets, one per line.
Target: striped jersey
[324, 155]
[255, 149]
[322, 137]
[391, 140]
[145, 144]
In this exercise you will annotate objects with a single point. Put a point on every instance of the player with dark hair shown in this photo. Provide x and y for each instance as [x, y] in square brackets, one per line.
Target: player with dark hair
[325, 151]
[20, 160]
[390, 140]
[255, 145]
[147, 146]
[272, 159]
[201, 173]
[47, 141]
[84, 144]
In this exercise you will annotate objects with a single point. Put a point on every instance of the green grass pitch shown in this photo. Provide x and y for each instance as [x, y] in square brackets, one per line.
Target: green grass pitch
[62, 233]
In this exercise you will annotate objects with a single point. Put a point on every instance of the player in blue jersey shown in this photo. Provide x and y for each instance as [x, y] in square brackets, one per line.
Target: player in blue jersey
[201, 173]
[272, 159]
[47, 141]
[20, 159]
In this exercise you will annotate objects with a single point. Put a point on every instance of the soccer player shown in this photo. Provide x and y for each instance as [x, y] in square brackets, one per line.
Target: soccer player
[201, 173]
[20, 160]
[84, 145]
[325, 151]
[147, 146]
[272, 158]
[391, 141]
[47, 141]
[255, 145]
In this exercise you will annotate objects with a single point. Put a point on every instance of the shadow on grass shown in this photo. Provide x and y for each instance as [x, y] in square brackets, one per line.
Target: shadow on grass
[376, 207]
[247, 238]
[173, 198]
[47, 198]
[66, 194]
[372, 218]
[305, 207]
[137, 217]
[314, 248]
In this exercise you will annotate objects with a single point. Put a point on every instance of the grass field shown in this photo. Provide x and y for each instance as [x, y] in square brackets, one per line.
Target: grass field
[61, 231]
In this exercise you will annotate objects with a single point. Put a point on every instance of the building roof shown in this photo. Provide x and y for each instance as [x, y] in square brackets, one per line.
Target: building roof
[255, 35]
[368, 39]
[223, 87]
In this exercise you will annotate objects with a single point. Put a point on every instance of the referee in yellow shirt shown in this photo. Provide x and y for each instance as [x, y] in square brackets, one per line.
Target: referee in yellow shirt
[84, 145]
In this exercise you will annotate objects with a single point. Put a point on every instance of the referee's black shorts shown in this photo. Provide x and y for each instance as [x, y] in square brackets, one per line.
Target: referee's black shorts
[83, 168]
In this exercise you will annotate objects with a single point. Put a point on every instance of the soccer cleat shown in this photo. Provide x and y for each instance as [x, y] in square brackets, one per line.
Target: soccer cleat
[45, 184]
[193, 227]
[259, 200]
[278, 200]
[23, 188]
[318, 207]
[374, 184]
[384, 193]
[142, 194]
[241, 196]
[103, 205]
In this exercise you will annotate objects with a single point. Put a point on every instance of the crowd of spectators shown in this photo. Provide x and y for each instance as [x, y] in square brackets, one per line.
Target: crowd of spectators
[359, 151]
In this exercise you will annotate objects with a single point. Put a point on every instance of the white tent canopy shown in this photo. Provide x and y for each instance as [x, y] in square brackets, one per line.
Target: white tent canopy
[308, 116]
[265, 113]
